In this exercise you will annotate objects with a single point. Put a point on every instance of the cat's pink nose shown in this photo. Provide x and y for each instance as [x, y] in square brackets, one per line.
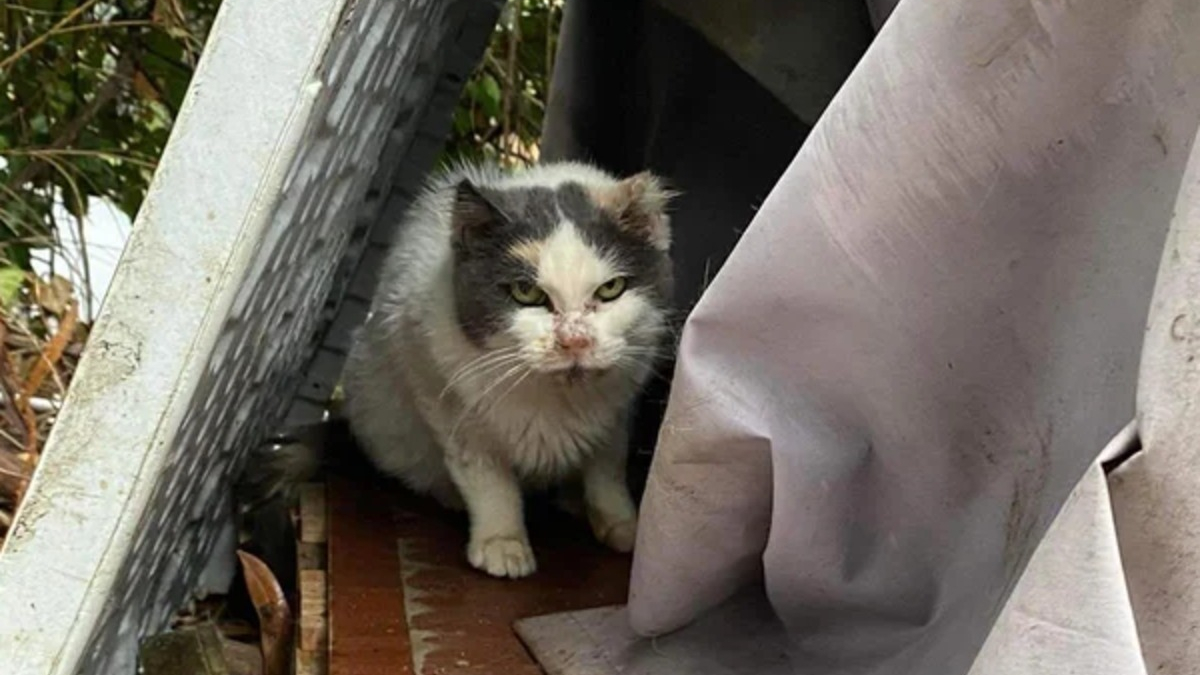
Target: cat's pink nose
[573, 341]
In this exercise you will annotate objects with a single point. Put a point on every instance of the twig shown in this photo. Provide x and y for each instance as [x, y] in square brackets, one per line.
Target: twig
[170, 61]
[514, 40]
[75, 13]
[100, 25]
[514, 154]
[19, 200]
[550, 35]
[51, 354]
[45, 365]
[39, 404]
[49, 357]
[30, 454]
[104, 95]
[13, 7]
[9, 412]
[88, 297]
[10, 472]
[80, 208]
[12, 440]
[43, 153]
[38, 346]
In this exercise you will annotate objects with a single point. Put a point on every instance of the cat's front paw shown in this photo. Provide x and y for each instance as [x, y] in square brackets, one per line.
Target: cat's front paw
[618, 536]
[509, 557]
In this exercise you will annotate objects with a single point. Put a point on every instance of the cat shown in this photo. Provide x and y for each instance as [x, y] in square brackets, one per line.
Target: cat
[517, 317]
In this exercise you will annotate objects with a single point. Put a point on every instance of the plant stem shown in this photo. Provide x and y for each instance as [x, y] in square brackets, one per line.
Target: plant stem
[108, 91]
[54, 30]
[514, 40]
[100, 25]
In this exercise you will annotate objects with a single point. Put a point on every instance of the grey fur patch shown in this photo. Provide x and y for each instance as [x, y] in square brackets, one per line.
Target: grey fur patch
[490, 223]
[648, 268]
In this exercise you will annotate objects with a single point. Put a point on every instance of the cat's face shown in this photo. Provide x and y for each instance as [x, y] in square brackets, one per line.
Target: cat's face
[572, 280]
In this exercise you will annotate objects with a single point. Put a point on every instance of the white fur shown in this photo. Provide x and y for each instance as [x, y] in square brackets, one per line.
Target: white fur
[470, 426]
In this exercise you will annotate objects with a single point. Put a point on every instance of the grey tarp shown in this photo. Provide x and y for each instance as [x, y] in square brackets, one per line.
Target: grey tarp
[918, 347]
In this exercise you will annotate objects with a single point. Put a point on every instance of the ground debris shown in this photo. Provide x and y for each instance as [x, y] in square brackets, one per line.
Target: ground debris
[41, 340]
[274, 614]
[198, 650]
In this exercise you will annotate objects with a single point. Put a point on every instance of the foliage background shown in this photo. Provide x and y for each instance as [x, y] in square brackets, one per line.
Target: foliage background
[499, 116]
[89, 90]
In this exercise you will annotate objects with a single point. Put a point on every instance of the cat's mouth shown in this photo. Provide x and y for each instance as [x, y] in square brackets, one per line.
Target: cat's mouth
[577, 373]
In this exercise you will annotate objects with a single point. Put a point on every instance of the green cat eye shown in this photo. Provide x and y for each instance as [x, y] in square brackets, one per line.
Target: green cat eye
[611, 289]
[528, 294]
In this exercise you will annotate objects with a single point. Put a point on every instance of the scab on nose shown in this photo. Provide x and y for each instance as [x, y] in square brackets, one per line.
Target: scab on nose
[571, 334]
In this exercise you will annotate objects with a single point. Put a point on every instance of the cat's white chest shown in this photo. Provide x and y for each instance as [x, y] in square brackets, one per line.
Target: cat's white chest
[546, 438]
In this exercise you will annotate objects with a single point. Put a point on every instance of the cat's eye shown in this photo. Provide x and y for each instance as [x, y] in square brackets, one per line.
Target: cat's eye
[611, 289]
[528, 294]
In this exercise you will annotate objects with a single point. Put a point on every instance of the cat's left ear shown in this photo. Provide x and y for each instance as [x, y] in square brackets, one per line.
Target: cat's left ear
[639, 205]
[472, 214]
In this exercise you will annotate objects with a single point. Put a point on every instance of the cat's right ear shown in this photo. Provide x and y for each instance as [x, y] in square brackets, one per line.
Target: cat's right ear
[472, 215]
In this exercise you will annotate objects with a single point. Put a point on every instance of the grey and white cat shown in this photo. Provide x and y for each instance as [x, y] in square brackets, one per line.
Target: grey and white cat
[517, 317]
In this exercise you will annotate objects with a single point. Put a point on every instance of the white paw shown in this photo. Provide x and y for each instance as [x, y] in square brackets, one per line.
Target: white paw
[619, 536]
[502, 557]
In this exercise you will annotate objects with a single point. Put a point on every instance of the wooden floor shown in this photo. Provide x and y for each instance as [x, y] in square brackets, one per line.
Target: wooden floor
[403, 601]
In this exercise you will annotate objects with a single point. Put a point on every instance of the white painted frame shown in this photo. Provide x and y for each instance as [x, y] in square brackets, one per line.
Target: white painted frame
[260, 209]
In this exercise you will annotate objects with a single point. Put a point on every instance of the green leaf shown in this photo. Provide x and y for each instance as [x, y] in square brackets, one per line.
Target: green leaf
[39, 124]
[491, 95]
[11, 280]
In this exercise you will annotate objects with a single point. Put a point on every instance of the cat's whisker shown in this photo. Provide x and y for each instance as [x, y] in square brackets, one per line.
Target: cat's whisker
[474, 407]
[486, 356]
[649, 358]
[483, 396]
[480, 366]
[482, 369]
[501, 397]
[635, 366]
[642, 351]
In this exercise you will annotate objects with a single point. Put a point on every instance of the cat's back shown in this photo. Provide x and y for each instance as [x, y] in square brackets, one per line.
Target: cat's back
[419, 254]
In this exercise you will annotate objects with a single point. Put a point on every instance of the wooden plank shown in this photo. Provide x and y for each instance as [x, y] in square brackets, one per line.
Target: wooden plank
[313, 529]
[310, 556]
[312, 593]
[310, 663]
[313, 618]
[312, 624]
[314, 630]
